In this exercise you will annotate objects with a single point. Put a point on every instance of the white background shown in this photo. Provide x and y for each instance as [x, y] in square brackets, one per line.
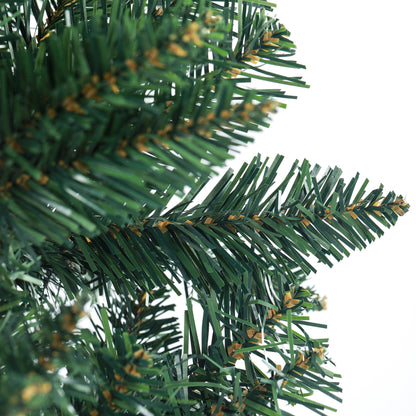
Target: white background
[360, 115]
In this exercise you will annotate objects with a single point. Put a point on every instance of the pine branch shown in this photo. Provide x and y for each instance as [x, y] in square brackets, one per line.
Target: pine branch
[267, 340]
[89, 139]
[243, 221]
[105, 372]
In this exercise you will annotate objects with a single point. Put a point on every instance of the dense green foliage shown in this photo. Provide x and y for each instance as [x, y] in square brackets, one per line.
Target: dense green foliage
[114, 116]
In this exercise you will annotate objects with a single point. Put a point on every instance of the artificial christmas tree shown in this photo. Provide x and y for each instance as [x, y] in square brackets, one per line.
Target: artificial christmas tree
[108, 111]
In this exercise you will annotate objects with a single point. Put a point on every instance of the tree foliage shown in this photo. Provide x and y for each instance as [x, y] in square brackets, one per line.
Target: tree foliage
[110, 111]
